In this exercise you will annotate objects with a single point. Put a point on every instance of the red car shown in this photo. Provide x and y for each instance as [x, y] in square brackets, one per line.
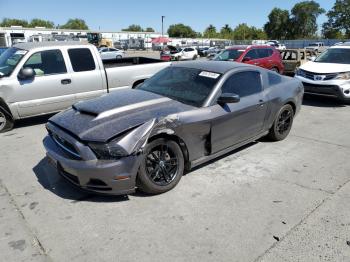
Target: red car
[260, 55]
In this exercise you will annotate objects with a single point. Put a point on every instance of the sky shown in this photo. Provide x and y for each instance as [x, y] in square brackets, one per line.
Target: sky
[108, 15]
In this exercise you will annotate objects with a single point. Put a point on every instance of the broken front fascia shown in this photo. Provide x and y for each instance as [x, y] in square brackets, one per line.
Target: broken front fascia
[137, 139]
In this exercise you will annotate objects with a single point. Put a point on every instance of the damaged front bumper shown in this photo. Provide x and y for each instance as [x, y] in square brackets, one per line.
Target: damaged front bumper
[79, 165]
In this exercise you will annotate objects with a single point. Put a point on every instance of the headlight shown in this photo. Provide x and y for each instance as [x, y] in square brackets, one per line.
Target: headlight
[109, 151]
[343, 76]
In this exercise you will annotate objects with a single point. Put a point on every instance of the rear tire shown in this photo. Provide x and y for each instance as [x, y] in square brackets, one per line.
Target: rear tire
[162, 167]
[275, 69]
[282, 124]
[119, 57]
[6, 121]
[194, 57]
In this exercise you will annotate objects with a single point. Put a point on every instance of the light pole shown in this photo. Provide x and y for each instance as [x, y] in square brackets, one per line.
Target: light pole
[163, 25]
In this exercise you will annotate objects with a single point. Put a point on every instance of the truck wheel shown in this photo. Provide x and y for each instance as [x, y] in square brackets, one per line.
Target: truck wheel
[6, 121]
[162, 167]
[282, 124]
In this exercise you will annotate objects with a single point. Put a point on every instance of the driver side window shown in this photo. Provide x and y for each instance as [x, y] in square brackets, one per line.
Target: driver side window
[243, 84]
[47, 63]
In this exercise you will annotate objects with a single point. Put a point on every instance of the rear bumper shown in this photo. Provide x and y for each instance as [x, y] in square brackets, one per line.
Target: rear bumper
[104, 177]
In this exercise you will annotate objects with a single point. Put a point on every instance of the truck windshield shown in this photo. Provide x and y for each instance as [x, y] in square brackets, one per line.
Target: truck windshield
[187, 85]
[335, 55]
[227, 55]
[9, 60]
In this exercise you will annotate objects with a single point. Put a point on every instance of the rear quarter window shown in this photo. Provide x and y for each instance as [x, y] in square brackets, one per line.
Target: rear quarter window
[274, 79]
[81, 59]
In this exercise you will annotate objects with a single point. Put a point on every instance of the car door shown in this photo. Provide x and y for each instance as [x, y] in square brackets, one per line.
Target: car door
[252, 58]
[51, 88]
[245, 119]
[88, 77]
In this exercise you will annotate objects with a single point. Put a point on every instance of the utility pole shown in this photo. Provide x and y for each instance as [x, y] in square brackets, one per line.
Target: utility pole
[163, 25]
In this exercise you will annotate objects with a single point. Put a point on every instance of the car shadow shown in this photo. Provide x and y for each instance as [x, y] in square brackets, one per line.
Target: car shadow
[322, 101]
[32, 121]
[49, 178]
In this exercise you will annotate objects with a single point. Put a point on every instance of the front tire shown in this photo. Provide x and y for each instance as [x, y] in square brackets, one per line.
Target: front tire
[119, 57]
[6, 121]
[282, 124]
[162, 167]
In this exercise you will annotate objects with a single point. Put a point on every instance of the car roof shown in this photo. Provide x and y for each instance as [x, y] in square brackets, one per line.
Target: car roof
[220, 67]
[34, 45]
[244, 47]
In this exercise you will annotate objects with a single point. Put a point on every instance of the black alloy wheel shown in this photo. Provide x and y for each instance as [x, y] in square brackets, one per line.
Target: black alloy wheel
[282, 124]
[162, 167]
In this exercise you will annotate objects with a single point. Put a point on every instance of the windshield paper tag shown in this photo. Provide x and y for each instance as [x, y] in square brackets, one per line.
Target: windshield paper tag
[21, 52]
[209, 74]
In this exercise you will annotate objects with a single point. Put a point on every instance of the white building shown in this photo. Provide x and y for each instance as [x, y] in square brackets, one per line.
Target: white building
[15, 34]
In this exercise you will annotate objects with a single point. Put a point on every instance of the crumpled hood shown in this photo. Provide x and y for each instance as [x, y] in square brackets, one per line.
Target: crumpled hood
[105, 117]
[324, 68]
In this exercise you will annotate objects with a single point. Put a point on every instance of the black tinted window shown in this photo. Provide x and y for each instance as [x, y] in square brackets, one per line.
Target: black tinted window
[274, 79]
[243, 84]
[252, 54]
[47, 63]
[264, 52]
[81, 59]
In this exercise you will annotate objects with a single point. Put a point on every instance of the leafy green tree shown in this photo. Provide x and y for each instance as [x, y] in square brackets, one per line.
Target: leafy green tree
[181, 30]
[133, 28]
[42, 23]
[149, 29]
[7, 22]
[226, 32]
[75, 24]
[210, 32]
[278, 25]
[304, 19]
[241, 32]
[338, 20]
[257, 33]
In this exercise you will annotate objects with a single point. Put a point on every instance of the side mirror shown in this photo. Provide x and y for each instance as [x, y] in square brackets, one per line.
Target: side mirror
[246, 59]
[228, 98]
[26, 73]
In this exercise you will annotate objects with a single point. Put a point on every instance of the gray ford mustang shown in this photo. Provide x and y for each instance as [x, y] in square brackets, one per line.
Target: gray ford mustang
[185, 115]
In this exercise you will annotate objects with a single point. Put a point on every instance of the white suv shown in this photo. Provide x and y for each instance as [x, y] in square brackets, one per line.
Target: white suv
[187, 53]
[328, 74]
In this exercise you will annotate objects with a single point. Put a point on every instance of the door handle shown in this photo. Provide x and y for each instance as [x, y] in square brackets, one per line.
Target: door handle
[66, 81]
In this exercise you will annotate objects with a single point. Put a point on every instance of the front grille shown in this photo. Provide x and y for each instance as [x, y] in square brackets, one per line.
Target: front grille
[65, 145]
[311, 75]
[321, 89]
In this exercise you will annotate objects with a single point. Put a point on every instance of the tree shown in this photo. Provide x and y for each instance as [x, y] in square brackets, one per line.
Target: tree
[257, 33]
[41, 23]
[278, 25]
[241, 32]
[226, 32]
[133, 28]
[304, 19]
[210, 32]
[7, 22]
[149, 29]
[75, 24]
[338, 20]
[181, 30]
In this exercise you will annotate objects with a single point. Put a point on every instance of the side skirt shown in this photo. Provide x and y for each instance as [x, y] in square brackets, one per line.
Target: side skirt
[205, 159]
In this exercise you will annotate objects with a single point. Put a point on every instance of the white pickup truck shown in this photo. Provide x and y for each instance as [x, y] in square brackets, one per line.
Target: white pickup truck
[317, 47]
[47, 77]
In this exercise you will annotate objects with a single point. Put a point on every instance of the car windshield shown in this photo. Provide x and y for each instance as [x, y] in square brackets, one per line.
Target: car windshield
[9, 60]
[231, 54]
[335, 55]
[186, 85]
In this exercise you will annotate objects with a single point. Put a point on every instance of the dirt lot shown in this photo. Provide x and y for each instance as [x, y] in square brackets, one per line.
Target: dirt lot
[284, 201]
